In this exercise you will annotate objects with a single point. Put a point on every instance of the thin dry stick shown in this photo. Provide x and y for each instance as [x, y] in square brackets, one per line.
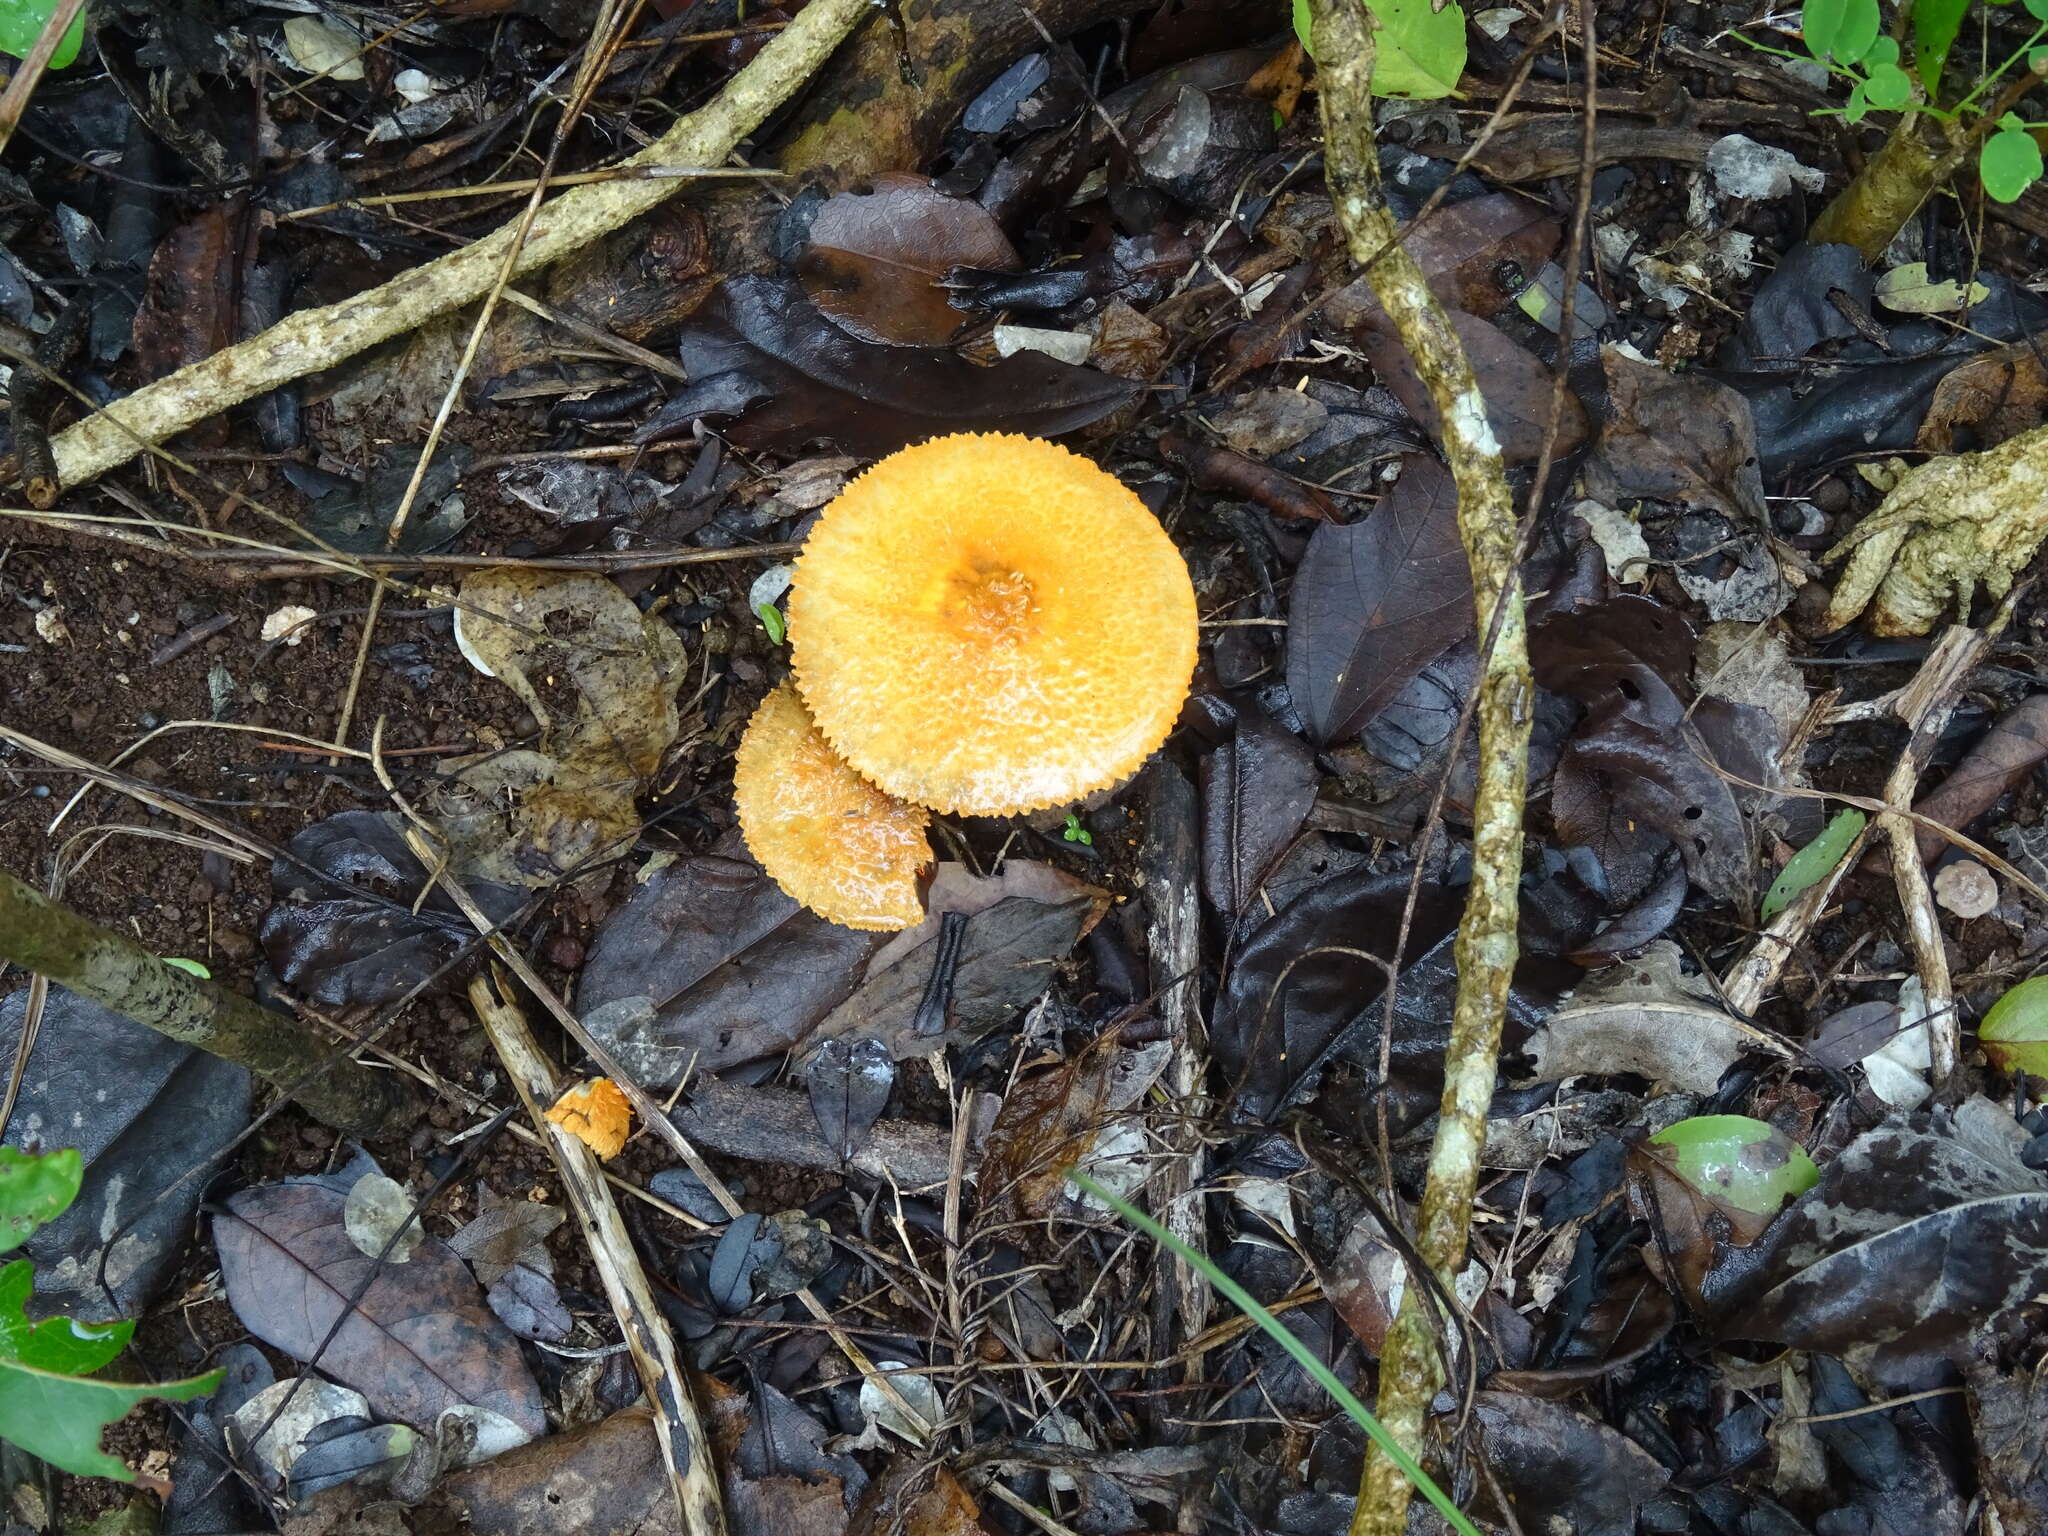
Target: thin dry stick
[677, 1423]
[320, 338]
[14, 101]
[1410, 1368]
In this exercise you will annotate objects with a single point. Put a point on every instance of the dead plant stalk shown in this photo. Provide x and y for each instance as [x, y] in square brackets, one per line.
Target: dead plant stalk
[1410, 1366]
[314, 339]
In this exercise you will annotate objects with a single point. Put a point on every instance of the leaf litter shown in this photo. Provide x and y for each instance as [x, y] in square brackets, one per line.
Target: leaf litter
[1195, 998]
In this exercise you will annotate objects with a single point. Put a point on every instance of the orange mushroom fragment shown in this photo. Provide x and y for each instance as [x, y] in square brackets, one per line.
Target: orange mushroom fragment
[827, 836]
[597, 1113]
[988, 624]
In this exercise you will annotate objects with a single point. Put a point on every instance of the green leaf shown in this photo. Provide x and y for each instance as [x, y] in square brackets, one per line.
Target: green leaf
[1738, 1161]
[1305, 1357]
[1421, 52]
[1811, 864]
[1889, 87]
[1302, 23]
[1840, 29]
[1859, 104]
[21, 23]
[60, 1418]
[192, 967]
[2010, 161]
[1935, 24]
[35, 1189]
[56, 1344]
[2014, 1033]
[2038, 9]
[772, 621]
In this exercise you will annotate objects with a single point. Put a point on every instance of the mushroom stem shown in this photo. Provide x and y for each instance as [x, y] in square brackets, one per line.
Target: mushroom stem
[1410, 1367]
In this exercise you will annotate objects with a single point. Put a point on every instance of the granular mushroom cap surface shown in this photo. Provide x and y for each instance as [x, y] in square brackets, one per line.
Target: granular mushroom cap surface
[830, 839]
[989, 624]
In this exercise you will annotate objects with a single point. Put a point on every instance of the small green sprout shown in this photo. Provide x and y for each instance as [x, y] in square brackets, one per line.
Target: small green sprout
[1074, 832]
[772, 621]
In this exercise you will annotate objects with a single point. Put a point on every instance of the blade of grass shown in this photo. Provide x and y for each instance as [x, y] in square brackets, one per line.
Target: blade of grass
[1240, 1298]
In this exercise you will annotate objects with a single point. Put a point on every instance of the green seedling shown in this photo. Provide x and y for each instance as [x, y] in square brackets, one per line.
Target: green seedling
[1074, 832]
[1813, 863]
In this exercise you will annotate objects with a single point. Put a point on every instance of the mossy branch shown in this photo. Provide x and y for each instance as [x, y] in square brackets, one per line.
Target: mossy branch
[1410, 1368]
[314, 339]
[97, 963]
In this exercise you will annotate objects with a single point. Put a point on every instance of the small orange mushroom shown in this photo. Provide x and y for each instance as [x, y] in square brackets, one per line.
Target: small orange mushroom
[827, 836]
[991, 624]
[597, 1113]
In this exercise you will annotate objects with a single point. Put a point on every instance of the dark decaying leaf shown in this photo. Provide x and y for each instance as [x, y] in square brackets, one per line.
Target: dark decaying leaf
[507, 1231]
[2009, 1412]
[1049, 1121]
[142, 1110]
[1678, 438]
[723, 966]
[849, 1077]
[748, 1245]
[1375, 602]
[876, 256]
[1632, 929]
[1518, 386]
[356, 515]
[1994, 766]
[1793, 311]
[1639, 756]
[1846, 1037]
[1257, 790]
[1561, 1471]
[418, 1342]
[525, 1300]
[1919, 1231]
[1901, 1476]
[342, 927]
[348, 1450]
[1292, 992]
[608, 1478]
[1019, 925]
[188, 308]
[1460, 249]
[758, 350]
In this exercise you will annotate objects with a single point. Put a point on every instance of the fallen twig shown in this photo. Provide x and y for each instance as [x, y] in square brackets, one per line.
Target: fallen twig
[1410, 1368]
[677, 1423]
[314, 339]
[97, 963]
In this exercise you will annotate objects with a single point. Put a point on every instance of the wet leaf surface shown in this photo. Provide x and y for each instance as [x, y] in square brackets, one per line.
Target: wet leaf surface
[417, 1340]
[1519, 388]
[876, 258]
[344, 927]
[1560, 1469]
[761, 352]
[1376, 601]
[710, 964]
[1918, 1232]
[1256, 789]
[1017, 926]
[849, 1078]
[142, 1110]
[1676, 438]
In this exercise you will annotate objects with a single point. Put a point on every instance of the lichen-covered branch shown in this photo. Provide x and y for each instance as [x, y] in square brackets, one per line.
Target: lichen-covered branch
[1410, 1368]
[50, 939]
[314, 339]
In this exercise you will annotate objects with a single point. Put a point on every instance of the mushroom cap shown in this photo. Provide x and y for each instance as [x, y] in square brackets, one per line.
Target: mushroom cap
[827, 836]
[990, 624]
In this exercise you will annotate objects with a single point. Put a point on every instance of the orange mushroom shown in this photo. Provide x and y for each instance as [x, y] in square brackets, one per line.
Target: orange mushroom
[829, 838]
[991, 625]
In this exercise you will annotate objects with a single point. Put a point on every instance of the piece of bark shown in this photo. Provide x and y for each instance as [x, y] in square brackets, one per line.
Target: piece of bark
[775, 1125]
